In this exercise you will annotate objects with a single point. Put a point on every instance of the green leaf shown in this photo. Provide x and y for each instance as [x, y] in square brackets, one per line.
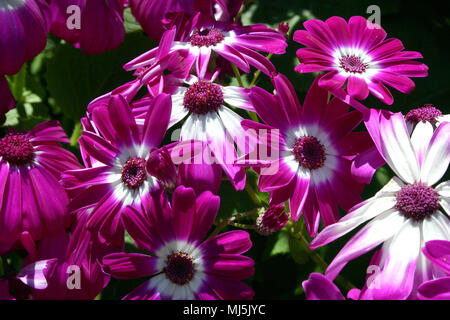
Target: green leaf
[281, 245]
[74, 79]
[297, 251]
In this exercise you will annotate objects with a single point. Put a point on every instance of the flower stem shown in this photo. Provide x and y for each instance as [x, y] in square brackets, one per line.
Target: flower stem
[347, 285]
[238, 75]
[76, 133]
[231, 221]
[258, 72]
[256, 200]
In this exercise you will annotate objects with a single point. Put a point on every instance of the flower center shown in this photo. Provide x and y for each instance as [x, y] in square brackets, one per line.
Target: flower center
[426, 113]
[417, 201]
[179, 268]
[353, 64]
[206, 38]
[309, 152]
[16, 149]
[134, 173]
[203, 97]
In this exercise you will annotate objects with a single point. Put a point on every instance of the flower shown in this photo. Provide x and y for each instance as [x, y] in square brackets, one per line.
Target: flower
[237, 44]
[403, 215]
[117, 153]
[438, 252]
[24, 25]
[426, 113]
[182, 265]
[357, 57]
[68, 265]
[99, 26]
[156, 16]
[31, 163]
[315, 148]
[273, 220]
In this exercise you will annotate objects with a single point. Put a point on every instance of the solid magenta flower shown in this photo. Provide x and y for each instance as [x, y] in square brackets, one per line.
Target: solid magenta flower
[183, 265]
[33, 200]
[23, 32]
[357, 56]
[100, 25]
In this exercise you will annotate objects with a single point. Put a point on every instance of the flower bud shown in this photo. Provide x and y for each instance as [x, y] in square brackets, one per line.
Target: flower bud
[161, 166]
[274, 219]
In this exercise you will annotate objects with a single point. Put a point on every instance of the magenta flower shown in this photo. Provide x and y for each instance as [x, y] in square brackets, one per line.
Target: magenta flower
[99, 28]
[403, 215]
[155, 16]
[68, 267]
[237, 44]
[357, 57]
[31, 164]
[426, 113]
[438, 252]
[316, 147]
[23, 32]
[182, 266]
[117, 154]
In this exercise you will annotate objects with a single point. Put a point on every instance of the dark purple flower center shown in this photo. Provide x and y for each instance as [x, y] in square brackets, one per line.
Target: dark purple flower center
[206, 38]
[353, 64]
[425, 113]
[179, 268]
[417, 201]
[134, 173]
[16, 149]
[309, 152]
[203, 97]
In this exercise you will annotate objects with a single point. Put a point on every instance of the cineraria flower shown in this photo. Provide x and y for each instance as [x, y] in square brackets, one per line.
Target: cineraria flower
[182, 266]
[118, 153]
[403, 215]
[99, 26]
[210, 120]
[157, 16]
[237, 44]
[24, 25]
[316, 147]
[357, 58]
[31, 163]
[68, 266]
[438, 252]
[426, 113]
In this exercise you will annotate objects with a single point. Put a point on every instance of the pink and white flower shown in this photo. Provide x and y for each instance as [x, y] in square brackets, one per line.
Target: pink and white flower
[316, 149]
[117, 152]
[403, 215]
[357, 57]
[199, 42]
[181, 265]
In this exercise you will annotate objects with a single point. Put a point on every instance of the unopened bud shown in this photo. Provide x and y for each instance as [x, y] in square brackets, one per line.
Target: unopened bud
[161, 166]
[283, 28]
[274, 219]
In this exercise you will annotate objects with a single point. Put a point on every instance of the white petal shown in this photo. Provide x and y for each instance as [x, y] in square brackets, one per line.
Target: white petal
[436, 227]
[420, 139]
[397, 148]
[237, 97]
[438, 155]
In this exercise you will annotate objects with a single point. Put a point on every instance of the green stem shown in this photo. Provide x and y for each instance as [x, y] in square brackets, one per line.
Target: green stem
[258, 72]
[231, 221]
[347, 285]
[76, 133]
[238, 75]
[256, 200]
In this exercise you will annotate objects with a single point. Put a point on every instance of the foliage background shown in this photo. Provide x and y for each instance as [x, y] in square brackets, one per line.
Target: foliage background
[61, 81]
